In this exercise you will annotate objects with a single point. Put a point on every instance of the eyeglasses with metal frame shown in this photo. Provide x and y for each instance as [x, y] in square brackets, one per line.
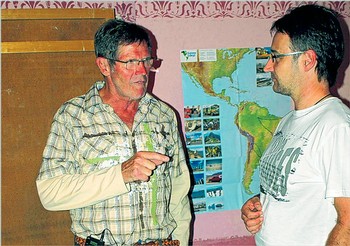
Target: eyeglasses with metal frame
[273, 56]
[132, 64]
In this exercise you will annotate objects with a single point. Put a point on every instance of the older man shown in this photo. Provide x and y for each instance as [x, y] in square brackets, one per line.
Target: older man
[114, 156]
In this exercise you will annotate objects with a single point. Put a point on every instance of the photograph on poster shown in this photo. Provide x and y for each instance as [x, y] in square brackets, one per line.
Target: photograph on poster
[192, 112]
[262, 56]
[215, 191]
[214, 178]
[211, 124]
[197, 165]
[216, 205]
[193, 138]
[212, 137]
[193, 125]
[195, 152]
[213, 151]
[211, 110]
[198, 178]
[198, 194]
[199, 205]
[213, 164]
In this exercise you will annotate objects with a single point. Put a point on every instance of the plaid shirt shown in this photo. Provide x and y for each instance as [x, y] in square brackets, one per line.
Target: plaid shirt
[80, 171]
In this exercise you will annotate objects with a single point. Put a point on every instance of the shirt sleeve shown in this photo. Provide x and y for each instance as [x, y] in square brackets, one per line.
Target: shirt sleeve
[61, 185]
[179, 201]
[337, 162]
[67, 191]
[180, 207]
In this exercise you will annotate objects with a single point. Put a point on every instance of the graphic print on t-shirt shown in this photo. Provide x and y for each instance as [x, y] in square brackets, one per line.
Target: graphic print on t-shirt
[279, 163]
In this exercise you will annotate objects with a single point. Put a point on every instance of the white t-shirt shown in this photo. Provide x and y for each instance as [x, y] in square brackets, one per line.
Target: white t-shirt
[305, 166]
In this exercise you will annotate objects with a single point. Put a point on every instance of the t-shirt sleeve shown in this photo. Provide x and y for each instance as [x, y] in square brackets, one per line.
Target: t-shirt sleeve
[336, 156]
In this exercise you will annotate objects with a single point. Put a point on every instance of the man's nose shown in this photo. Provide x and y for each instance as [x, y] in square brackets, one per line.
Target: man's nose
[141, 68]
[269, 66]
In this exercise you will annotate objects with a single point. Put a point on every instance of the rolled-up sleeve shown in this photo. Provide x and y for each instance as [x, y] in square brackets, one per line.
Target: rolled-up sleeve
[179, 203]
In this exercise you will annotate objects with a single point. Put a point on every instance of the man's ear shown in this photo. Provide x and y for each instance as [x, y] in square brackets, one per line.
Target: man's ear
[310, 60]
[103, 65]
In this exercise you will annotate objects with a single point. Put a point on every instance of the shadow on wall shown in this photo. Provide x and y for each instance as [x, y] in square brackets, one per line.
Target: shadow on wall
[345, 64]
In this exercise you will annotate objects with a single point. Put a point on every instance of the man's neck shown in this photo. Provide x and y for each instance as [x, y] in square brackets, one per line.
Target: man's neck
[126, 109]
[311, 95]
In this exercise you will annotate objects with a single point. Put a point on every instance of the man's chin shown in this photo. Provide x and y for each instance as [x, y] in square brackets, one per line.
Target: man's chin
[277, 89]
[139, 96]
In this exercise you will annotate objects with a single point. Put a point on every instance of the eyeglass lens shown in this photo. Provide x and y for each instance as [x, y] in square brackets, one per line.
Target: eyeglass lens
[133, 64]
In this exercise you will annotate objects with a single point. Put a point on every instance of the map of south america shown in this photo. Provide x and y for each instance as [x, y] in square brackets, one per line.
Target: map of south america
[257, 125]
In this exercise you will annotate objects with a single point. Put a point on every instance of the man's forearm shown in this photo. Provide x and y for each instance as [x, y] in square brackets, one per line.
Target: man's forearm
[339, 236]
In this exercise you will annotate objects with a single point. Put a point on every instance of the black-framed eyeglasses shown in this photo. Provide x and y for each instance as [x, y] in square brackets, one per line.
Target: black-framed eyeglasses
[132, 64]
[273, 56]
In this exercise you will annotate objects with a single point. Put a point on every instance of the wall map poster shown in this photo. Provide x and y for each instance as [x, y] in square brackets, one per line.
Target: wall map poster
[230, 115]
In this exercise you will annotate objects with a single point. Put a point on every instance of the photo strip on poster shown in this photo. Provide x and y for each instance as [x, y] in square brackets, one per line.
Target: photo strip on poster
[230, 111]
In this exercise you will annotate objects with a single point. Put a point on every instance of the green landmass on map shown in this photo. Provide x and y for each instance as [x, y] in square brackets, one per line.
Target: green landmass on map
[204, 73]
[257, 125]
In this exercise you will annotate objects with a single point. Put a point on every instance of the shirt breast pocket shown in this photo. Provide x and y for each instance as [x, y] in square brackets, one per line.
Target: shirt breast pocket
[99, 152]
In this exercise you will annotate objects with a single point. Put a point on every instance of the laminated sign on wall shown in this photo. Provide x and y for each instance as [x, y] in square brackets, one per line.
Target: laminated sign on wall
[230, 115]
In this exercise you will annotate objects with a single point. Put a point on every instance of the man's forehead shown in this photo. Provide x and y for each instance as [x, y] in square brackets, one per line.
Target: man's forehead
[133, 48]
[280, 41]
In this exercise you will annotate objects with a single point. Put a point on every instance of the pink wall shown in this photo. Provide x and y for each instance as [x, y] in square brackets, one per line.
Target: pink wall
[174, 35]
[181, 25]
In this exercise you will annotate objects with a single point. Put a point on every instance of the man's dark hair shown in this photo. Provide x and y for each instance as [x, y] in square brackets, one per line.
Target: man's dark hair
[115, 33]
[313, 27]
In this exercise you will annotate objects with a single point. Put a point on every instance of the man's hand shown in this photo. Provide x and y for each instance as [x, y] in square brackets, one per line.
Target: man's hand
[140, 167]
[252, 214]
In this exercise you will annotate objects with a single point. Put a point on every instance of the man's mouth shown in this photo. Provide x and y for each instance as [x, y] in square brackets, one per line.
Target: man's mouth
[140, 82]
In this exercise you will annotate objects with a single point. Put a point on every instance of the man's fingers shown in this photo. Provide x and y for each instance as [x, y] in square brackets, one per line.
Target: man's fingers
[257, 206]
[150, 164]
[254, 229]
[253, 223]
[141, 165]
[155, 157]
[244, 218]
[147, 169]
[251, 214]
[253, 226]
[252, 218]
[254, 215]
